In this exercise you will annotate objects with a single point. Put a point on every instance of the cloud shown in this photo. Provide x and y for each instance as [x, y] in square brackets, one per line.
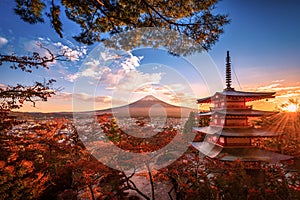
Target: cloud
[291, 88]
[283, 93]
[272, 86]
[278, 81]
[2, 85]
[147, 89]
[110, 68]
[127, 60]
[131, 62]
[73, 54]
[288, 95]
[111, 80]
[90, 98]
[66, 96]
[107, 55]
[179, 97]
[133, 80]
[3, 41]
[92, 70]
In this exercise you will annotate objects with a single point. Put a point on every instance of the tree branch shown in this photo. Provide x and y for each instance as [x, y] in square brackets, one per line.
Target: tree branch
[35, 60]
[131, 185]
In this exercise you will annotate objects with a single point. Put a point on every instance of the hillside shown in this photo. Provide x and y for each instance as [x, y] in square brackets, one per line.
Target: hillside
[150, 106]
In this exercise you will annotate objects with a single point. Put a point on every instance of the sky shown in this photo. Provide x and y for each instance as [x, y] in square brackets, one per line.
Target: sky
[263, 40]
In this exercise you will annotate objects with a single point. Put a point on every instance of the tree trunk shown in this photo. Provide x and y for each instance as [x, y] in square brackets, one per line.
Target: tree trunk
[151, 182]
[91, 191]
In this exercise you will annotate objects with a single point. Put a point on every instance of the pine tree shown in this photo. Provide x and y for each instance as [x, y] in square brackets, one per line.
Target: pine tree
[192, 18]
[190, 123]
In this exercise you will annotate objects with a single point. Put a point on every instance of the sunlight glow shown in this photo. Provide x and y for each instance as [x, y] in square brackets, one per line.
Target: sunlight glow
[291, 108]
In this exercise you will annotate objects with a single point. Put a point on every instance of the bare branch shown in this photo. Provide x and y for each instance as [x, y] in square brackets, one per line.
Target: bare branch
[131, 185]
[25, 63]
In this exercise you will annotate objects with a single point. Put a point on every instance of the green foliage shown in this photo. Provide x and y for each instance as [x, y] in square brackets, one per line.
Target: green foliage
[30, 10]
[54, 16]
[192, 18]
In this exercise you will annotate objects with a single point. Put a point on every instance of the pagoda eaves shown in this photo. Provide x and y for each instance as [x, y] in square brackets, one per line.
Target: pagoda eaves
[242, 154]
[238, 112]
[235, 132]
[247, 96]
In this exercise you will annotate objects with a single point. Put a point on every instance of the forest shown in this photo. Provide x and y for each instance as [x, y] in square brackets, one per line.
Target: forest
[49, 161]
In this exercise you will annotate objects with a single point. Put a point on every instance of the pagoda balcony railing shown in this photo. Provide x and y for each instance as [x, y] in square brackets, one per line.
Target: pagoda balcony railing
[231, 107]
[232, 125]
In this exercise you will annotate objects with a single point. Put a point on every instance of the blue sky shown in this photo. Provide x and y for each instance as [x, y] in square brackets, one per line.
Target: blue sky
[263, 35]
[263, 38]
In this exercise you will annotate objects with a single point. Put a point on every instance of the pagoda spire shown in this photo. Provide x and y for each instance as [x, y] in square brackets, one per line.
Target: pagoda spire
[228, 72]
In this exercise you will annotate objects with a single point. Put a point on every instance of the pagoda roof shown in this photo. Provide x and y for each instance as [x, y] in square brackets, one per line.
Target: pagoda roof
[249, 154]
[249, 96]
[238, 112]
[235, 132]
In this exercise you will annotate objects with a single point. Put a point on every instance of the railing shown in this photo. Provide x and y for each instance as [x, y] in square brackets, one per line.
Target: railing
[230, 107]
[231, 125]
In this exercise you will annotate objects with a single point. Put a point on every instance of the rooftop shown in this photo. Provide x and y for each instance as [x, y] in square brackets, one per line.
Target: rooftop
[235, 132]
[242, 154]
[238, 112]
[249, 96]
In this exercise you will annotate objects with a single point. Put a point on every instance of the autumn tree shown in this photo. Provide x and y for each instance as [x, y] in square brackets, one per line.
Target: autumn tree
[193, 18]
[188, 178]
[31, 160]
[13, 97]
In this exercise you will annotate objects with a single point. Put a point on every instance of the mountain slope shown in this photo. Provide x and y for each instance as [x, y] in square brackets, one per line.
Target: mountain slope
[150, 106]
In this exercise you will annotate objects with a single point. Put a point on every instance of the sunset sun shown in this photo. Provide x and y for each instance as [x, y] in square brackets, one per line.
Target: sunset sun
[291, 108]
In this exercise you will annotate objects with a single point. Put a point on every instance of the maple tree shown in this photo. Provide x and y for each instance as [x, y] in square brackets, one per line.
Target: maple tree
[45, 162]
[187, 177]
[193, 175]
[25, 161]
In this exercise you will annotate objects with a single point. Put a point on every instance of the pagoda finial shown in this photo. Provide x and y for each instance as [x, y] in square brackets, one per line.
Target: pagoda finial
[228, 72]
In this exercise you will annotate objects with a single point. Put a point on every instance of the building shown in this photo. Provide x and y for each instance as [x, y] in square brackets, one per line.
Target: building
[230, 135]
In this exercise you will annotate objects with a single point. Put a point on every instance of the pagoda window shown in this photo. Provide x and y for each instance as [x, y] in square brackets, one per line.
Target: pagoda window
[238, 141]
[215, 121]
[214, 138]
[236, 121]
[221, 140]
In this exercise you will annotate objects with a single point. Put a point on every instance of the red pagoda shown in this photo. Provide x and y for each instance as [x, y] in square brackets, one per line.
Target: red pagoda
[230, 135]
